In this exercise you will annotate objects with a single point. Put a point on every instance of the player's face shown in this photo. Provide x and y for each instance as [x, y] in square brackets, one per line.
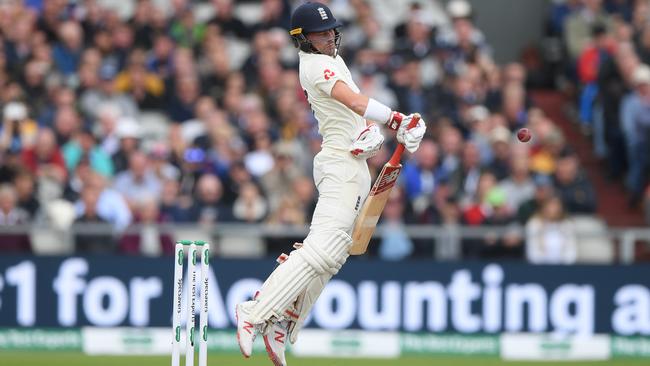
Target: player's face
[323, 41]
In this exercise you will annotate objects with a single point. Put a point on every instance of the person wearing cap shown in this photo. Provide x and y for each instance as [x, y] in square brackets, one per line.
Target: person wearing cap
[341, 175]
[129, 133]
[500, 138]
[635, 121]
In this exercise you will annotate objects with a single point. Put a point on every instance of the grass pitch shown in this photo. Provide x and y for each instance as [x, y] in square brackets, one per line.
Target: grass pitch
[78, 359]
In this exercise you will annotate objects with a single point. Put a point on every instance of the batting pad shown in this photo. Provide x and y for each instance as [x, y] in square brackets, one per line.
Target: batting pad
[305, 302]
[322, 253]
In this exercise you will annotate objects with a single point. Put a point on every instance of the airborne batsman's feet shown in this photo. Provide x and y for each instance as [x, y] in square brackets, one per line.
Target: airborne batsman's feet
[275, 341]
[246, 331]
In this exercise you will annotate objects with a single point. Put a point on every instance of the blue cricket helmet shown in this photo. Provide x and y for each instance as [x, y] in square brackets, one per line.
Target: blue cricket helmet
[312, 17]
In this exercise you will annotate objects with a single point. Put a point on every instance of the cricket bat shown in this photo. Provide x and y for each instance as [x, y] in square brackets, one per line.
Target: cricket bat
[367, 220]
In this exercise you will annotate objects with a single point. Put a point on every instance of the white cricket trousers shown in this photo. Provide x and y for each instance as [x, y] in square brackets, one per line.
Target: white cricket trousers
[343, 183]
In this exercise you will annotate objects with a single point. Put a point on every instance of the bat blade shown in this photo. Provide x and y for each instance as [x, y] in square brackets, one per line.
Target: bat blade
[367, 220]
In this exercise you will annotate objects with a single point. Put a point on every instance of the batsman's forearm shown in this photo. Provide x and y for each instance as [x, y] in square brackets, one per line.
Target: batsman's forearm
[360, 104]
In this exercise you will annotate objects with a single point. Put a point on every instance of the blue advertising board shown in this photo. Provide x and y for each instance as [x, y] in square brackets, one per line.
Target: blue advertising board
[415, 296]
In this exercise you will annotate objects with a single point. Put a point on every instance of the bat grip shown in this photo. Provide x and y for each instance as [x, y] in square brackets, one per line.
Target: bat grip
[397, 155]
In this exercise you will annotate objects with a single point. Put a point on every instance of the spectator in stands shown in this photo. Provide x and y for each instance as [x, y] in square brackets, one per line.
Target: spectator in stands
[412, 95]
[519, 186]
[463, 42]
[185, 30]
[34, 86]
[544, 189]
[109, 205]
[250, 206]
[613, 81]
[67, 53]
[159, 60]
[371, 82]
[18, 131]
[25, 185]
[550, 142]
[422, 175]
[228, 22]
[208, 208]
[500, 139]
[259, 160]
[277, 183]
[159, 155]
[138, 180]
[288, 211]
[11, 215]
[418, 39]
[148, 239]
[146, 88]
[143, 32]
[550, 235]
[464, 181]
[508, 244]
[395, 244]
[513, 106]
[579, 24]
[128, 134]
[593, 56]
[99, 239]
[305, 193]
[275, 13]
[106, 126]
[44, 159]
[84, 146]
[107, 93]
[185, 95]
[172, 207]
[572, 186]
[635, 118]
[59, 98]
[67, 123]
[237, 177]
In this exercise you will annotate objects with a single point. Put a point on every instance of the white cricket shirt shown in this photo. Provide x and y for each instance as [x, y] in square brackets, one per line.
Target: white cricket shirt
[338, 124]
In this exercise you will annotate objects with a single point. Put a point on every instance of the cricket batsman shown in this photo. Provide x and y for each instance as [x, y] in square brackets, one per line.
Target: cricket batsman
[341, 175]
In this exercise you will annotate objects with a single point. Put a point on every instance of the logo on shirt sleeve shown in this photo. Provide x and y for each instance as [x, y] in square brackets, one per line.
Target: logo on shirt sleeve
[327, 74]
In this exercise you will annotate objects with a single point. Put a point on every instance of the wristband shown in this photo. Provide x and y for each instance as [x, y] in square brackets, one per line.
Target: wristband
[378, 112]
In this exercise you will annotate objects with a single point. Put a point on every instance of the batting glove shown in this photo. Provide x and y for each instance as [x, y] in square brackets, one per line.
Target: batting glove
[368, 143]
[410, 137]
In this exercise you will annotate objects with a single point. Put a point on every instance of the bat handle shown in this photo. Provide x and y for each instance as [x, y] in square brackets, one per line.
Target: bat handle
[397, 155]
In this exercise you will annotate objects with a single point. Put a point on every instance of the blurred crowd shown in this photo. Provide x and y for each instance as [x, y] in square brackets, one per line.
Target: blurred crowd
[607, 56]
[192, 112]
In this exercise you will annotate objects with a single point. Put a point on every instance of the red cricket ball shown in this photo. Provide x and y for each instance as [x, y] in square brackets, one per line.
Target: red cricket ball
[524, 134]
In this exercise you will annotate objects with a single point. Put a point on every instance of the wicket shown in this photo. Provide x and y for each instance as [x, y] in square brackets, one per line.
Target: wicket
[179, 254]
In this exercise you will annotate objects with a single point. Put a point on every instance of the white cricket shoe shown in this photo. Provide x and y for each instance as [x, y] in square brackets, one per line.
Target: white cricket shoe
[246, 331]
[275, 341]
